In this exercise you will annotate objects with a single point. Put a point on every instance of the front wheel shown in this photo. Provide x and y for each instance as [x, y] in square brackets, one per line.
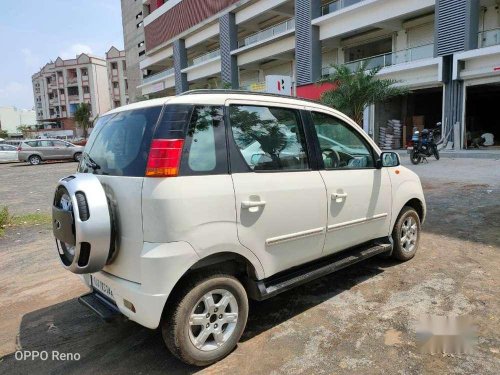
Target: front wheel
[206, 320]
[406, 234]
[435, 152]
[77, 157]
[415, 157]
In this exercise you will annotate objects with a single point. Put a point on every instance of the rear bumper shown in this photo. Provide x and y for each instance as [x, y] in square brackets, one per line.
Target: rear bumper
[162, 265]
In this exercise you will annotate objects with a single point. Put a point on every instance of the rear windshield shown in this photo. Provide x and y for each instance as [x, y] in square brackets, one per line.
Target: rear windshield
[119, 143]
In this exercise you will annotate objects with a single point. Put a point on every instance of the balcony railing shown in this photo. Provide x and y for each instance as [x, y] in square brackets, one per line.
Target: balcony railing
[268, 33]
[336, 5]
[389, 59]
[163, 74]
[489, 38]
[205, 57]
[72, 80]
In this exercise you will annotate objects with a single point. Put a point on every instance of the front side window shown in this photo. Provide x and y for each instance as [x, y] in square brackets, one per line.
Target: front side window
[269, 138]
[342, 147]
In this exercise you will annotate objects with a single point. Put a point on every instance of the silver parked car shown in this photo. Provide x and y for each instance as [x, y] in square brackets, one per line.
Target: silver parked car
[8, 152]
[37, 150]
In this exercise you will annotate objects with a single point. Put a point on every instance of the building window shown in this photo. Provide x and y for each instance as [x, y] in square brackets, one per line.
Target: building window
[124, 66]
[86, 90]
[85, 72]
[61, 91]
[117, 103]
[114, 65]
[142, 53]
[126, 84]
[115, 85]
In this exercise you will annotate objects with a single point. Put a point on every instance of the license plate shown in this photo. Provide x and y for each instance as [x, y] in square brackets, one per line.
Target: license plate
[101, 287]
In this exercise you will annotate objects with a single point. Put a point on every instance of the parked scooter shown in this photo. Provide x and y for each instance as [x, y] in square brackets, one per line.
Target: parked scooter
[424, 145]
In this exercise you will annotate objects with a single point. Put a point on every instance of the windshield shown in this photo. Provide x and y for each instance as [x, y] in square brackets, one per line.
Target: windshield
[119, 143]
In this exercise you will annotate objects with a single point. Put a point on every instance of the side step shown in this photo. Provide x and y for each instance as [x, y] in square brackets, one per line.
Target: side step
[267, 288]
[100, 305]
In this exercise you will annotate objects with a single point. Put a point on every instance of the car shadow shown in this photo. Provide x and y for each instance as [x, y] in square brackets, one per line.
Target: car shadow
[125, 347]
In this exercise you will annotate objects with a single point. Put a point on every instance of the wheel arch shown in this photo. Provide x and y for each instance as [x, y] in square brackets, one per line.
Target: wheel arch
[418, 206]
[35, 154]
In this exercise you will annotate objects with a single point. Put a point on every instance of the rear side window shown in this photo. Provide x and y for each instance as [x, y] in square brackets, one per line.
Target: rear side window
[269, 138]
[33, 143]
[205, 143]
[119, 143]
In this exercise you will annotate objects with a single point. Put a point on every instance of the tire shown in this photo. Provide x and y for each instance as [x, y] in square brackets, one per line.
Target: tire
[34, 159]
[435, 152]
[77, 156]
[415, 157]
[406, 234]
[180, 335]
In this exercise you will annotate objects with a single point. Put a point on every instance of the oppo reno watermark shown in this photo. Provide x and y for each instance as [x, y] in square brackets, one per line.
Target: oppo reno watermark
[44, 355]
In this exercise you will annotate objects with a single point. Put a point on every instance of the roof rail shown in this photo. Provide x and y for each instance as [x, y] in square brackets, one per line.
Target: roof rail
[243, 92]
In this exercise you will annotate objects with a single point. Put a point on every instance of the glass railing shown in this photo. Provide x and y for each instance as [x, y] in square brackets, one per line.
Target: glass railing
[268, 33]
[337, 5]
[163, 74]
[207, 56]
[389, 59]
[489, 38]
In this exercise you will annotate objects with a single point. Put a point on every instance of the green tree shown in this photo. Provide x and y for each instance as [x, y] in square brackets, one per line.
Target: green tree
[25, 130]
[82, 117]
[354, 90]
[3, 133]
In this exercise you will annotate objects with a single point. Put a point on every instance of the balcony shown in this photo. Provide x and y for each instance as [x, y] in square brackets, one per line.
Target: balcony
[72, 80]
[205, 57]
[268, 33]
[157, 76]
[336, 5]
[489, 38]
[390, 59]
[73, 98]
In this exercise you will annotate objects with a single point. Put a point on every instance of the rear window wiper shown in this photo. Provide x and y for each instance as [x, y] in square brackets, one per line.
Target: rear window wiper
[89, 162]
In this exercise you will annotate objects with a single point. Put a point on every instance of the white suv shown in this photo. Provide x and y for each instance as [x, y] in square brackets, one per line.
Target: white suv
[185, 207]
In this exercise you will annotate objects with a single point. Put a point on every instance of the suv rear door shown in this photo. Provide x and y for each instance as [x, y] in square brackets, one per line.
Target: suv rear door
[117, 152]
[280, 198]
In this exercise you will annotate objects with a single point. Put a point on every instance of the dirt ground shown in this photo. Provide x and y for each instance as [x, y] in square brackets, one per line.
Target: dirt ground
[360, 320]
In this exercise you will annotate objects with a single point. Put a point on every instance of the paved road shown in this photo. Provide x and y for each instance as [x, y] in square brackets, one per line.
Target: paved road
[361, 320]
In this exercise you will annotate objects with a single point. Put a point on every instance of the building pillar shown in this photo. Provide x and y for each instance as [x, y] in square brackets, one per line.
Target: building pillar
[456, 30]
[228, 41]
[307, 43]
[180, 62]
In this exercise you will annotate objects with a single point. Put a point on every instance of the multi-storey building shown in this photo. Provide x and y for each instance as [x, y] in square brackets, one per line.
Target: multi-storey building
[60, 86]
[446, 51]
[117, 77]
[133, 36]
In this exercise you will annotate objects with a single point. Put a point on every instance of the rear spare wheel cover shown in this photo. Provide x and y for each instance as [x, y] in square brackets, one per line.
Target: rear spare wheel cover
[81, 223]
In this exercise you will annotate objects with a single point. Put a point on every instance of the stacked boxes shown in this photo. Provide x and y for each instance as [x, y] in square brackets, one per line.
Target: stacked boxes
[390, 136]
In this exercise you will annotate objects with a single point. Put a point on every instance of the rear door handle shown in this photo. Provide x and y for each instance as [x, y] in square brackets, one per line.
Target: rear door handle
[250, 204]
[339, 195]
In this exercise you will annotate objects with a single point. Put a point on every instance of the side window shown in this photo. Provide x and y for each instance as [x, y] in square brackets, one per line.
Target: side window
[269, 138]
[205, 144]
[46, 144]
[59, 144]
[341, 146]
[33, 143]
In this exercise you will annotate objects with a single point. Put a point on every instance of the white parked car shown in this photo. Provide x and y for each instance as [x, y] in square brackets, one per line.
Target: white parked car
[185, 207]
[8, 152]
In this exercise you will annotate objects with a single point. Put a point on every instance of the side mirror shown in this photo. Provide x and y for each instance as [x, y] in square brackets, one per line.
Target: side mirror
[388, 159]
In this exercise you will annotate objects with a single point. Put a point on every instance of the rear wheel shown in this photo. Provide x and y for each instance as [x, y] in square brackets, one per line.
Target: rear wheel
[34, 159]
[206, 320]
[406, 234]
[415, 157]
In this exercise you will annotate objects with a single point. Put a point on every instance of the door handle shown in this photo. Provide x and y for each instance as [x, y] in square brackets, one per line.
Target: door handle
[250, 204]
[339, 195]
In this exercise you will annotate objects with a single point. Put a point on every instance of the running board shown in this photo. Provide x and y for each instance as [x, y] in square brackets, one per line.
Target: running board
[100, 305]
[263, 289]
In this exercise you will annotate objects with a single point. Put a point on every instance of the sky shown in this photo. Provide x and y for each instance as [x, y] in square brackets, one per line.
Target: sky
[34, 32]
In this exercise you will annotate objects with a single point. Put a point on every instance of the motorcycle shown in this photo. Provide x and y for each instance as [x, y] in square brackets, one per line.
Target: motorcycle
[424, 145]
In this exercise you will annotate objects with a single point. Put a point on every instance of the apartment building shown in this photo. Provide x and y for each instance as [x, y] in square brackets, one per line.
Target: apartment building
[60, 86]
[117, 77]
[133, 36]
[446, 51]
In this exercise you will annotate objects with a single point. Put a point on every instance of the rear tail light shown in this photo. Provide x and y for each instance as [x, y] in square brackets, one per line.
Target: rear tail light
[19, 148]
[164, 158]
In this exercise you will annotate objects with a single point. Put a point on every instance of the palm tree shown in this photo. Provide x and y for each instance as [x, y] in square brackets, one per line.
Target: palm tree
[354, 90]
[82, 117]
